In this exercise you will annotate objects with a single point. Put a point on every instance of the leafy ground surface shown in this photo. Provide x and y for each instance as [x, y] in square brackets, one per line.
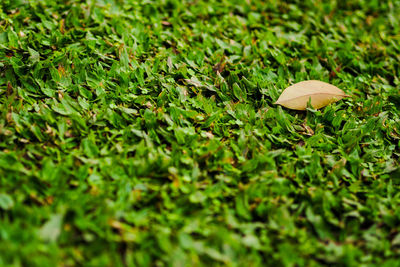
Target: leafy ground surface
[137, 133]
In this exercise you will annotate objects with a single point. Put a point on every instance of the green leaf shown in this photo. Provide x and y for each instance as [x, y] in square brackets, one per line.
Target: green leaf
[51, 230]
[6, 202]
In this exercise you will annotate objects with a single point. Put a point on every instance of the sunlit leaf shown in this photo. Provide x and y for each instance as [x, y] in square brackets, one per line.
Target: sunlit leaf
[320, 93]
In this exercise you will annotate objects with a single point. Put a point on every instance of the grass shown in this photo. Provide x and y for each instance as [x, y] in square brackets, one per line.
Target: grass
[142, 133]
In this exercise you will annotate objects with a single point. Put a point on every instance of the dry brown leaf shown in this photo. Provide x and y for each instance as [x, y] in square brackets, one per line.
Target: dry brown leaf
[321, 94]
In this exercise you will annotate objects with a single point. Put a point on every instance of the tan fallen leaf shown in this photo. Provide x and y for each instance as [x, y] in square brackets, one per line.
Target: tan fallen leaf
[321, 94]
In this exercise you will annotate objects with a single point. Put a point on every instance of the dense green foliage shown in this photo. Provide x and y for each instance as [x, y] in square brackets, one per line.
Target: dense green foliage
[143, 133]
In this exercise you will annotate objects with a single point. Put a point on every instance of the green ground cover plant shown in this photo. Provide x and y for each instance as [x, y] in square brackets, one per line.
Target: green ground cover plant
[143, 133]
